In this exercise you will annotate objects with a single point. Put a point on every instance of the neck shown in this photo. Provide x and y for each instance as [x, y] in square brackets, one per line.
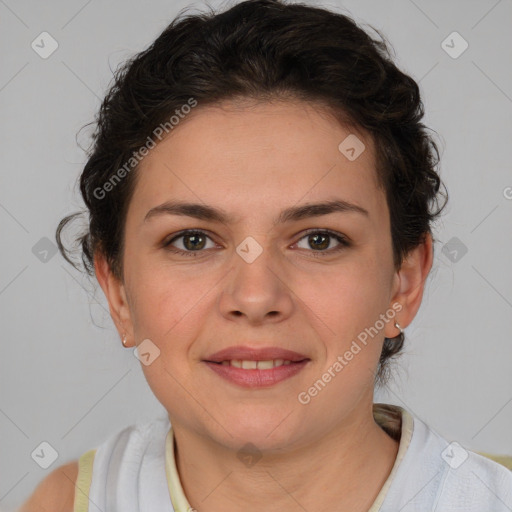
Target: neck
[343, 470]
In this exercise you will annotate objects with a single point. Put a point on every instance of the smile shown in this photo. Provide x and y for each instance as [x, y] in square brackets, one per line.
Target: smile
[255, 365]
[257, 374]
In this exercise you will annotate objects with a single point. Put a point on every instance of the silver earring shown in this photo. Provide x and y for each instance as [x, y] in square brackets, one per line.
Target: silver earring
[397, 325]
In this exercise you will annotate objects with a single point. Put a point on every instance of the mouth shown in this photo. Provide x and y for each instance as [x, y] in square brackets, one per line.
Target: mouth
[254, 368]
[250, 364]
[247, 353]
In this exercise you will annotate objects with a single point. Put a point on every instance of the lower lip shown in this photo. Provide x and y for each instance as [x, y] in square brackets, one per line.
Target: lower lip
[257, 378]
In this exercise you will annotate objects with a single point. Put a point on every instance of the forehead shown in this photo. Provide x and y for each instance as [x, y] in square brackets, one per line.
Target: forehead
[250, 155]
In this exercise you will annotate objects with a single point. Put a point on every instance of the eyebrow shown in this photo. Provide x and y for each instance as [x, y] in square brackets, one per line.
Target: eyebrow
[294, 213]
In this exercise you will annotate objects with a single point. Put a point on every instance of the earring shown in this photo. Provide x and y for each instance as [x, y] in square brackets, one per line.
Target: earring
[397, 325]
[124, 339]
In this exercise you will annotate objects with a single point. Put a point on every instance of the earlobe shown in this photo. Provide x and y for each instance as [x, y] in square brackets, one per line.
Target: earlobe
[411, 280]
[114, 291]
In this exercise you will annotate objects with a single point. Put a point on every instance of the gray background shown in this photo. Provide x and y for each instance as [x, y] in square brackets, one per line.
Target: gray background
[64, 375]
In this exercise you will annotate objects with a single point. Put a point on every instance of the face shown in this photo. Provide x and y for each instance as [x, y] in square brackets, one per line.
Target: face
[309, 282]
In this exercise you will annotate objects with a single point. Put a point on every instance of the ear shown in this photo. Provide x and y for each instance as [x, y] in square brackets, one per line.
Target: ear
[409, 283]
[114, 291]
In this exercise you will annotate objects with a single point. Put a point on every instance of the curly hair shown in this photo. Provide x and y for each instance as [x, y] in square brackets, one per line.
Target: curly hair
[263, 50]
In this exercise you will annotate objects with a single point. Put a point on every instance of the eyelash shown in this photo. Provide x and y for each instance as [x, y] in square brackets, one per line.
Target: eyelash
[343, 242]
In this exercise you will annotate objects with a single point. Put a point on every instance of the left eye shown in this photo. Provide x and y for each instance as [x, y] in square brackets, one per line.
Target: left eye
[194, 241]
[320, 240]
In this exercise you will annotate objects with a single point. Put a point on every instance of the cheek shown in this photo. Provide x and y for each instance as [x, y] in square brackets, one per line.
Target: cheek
[169, 305]
[351, 304]
[164, 311]
[152, 305]
[348, 298]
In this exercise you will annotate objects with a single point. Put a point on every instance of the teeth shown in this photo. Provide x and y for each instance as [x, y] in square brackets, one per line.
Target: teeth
[265, 365]
[253, 365]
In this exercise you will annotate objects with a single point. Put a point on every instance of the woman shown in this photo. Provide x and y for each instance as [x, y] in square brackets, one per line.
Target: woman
[261, 192]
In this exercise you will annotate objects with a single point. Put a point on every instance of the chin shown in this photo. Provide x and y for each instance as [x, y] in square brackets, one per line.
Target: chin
[266, 432]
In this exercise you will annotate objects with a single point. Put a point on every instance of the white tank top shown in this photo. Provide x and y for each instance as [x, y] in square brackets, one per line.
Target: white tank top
[135, 471]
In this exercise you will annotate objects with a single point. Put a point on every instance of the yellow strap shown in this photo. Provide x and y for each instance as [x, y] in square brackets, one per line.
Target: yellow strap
[178, 498]
[83, 481]
[504, 460]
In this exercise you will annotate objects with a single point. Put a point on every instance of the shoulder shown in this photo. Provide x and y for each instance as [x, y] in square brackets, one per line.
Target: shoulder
[477, 481]
[457, 476]
[119, 455]
[55, 492]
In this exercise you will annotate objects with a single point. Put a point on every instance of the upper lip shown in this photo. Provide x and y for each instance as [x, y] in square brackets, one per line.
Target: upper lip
[245, 353]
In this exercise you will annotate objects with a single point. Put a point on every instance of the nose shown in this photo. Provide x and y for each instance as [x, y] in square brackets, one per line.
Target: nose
[256, 290]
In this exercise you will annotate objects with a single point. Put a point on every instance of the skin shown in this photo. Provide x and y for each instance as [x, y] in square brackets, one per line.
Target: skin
[254, 160]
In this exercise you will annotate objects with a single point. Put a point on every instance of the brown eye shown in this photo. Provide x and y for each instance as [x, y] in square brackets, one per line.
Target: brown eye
[192, 242]
[320, 241]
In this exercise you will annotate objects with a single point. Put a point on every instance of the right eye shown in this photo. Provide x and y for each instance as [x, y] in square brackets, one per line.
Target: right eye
[193, 242]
